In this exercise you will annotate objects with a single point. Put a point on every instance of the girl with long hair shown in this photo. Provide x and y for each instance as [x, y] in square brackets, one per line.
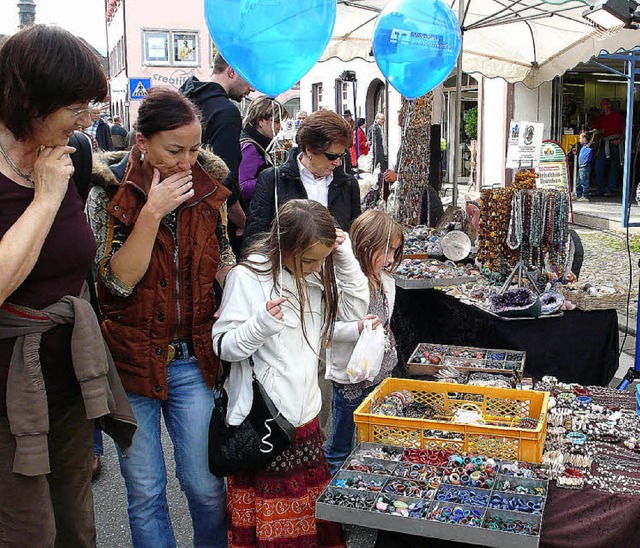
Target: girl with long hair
[280, 306]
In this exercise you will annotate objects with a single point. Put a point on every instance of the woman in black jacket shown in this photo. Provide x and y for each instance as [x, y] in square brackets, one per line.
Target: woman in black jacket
[313, 171]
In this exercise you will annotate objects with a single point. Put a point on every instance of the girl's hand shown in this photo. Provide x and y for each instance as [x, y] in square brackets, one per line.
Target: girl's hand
[274, 307]
[165, 196]
[51, 173]
[374, 325]
[340, 238]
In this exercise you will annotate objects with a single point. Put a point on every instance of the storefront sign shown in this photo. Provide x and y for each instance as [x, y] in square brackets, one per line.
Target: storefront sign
[176, 78]
[525, 142]
[553, 170]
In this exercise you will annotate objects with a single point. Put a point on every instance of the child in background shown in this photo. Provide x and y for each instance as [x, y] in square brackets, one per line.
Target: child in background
[377, 244]
[282, 317]
[584, 168]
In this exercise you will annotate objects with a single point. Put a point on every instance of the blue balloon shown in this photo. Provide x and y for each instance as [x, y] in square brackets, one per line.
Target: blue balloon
[416, 44]
[271, 43]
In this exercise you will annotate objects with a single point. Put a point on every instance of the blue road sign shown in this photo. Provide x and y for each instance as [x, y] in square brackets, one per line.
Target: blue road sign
[139, 87]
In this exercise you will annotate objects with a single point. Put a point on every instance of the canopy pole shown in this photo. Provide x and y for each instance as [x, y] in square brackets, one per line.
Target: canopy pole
[456, 124]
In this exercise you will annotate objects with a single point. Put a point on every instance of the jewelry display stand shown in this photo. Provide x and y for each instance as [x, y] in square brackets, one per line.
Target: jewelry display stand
[362, 508]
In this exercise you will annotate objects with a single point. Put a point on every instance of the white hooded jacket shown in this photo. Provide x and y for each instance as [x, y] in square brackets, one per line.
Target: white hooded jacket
[285, 364]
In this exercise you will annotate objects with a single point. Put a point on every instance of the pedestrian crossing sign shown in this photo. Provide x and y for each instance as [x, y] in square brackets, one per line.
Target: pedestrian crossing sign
[139, 87]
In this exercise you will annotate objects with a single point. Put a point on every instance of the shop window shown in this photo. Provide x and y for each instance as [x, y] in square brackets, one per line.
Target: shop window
[176, 48]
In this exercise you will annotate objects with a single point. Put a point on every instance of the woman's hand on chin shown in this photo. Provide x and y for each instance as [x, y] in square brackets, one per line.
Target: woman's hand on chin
[166, 195]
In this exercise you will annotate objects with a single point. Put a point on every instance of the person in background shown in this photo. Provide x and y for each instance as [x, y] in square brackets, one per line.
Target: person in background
[99, 131]
[610, 126]
[46, 250]
[281, 316]
[222, 124]
[349, 118]
[431, 209]
[377, 142]
[377, 242]
[584, 168]
[301, 117]
[158, 215]
[118, 134]
[361, 140]
[261, 124]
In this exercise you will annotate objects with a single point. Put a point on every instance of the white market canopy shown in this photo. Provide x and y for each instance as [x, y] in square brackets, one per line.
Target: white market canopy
[527, 41]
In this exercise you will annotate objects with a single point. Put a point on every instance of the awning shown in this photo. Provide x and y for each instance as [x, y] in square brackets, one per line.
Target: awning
[527, 41]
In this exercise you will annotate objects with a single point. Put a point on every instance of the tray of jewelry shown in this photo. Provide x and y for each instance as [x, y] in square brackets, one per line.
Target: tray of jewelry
[438, 494]
[430, 359]
[429, 273]
[420, 242]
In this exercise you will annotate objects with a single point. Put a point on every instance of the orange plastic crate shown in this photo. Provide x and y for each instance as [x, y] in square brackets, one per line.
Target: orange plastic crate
[499, 405]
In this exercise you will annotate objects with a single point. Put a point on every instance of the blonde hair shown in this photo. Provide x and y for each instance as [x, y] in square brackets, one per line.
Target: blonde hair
[371, 232]
[303, 224]
[263, 108]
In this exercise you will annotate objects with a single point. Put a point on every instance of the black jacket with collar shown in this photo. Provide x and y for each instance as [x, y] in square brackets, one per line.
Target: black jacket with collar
[343, 199]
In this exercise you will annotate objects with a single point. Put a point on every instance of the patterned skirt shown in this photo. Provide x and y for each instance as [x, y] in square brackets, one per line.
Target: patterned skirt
[275, 508]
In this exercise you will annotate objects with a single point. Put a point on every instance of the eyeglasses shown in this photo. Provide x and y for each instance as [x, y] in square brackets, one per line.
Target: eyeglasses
[77, 112]
[332, 156]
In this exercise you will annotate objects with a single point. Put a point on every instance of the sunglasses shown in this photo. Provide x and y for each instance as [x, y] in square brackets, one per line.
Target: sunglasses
[332, 156]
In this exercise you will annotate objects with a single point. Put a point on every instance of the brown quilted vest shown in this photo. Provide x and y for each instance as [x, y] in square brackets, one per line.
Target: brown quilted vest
[138, 328]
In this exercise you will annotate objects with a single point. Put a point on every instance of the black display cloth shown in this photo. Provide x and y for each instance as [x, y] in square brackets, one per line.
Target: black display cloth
[579, 346]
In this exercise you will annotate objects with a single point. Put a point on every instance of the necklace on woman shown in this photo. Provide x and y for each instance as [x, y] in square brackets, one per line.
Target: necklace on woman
[15, 168]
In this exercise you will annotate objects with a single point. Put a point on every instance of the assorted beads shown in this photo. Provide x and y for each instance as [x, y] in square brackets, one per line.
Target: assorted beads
[516, 503]
[399, 507]
[499, 523]
[438, 485]
[462, 496]
[411, 488]
[458, 515]
[359, 482]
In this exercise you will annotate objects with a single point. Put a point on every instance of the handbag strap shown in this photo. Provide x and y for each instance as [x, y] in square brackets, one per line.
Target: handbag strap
[226, 366]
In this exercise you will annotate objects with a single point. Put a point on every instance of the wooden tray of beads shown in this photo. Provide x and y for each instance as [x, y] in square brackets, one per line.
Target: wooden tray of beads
[420, 521]
[466, 359]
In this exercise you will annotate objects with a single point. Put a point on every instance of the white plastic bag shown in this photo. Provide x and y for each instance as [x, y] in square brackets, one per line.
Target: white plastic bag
[366, 360]
[365, 162]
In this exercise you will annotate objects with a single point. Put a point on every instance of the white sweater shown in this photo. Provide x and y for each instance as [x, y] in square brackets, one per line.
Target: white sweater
[346, 335]
[285, 364]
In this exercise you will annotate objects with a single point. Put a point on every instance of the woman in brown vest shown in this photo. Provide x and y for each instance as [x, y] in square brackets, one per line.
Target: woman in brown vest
[160, 227]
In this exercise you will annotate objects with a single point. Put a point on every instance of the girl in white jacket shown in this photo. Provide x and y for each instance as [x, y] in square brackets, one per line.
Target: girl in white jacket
[377, 243]
[282, 317]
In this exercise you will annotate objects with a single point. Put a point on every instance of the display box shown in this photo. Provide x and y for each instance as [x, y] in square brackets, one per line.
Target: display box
[430, 516]
[500, 437]
[466, 360]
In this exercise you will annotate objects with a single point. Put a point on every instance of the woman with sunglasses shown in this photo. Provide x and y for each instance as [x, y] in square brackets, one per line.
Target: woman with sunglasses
[313, 171]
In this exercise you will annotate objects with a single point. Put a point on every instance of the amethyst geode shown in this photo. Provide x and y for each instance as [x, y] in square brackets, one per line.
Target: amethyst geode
[518, 302]
[551, 302]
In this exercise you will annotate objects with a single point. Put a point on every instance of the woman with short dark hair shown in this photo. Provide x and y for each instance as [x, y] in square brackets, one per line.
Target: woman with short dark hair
[47, 80]
[313, 171]
[160, 226]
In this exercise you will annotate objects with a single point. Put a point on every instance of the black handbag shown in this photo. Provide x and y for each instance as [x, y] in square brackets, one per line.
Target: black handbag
[257, 441]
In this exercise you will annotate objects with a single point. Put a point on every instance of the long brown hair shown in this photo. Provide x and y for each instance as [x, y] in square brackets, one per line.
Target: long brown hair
[372, 232]
[303, 223]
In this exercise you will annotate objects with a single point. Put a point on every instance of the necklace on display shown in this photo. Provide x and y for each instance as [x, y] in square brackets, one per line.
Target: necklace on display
[14, 167]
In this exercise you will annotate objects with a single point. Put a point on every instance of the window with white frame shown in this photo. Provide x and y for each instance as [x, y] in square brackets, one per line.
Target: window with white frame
[345, 93]
[171, 47]
[316, 96]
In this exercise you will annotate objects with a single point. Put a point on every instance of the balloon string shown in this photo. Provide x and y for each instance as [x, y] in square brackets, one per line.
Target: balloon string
[275, 193]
